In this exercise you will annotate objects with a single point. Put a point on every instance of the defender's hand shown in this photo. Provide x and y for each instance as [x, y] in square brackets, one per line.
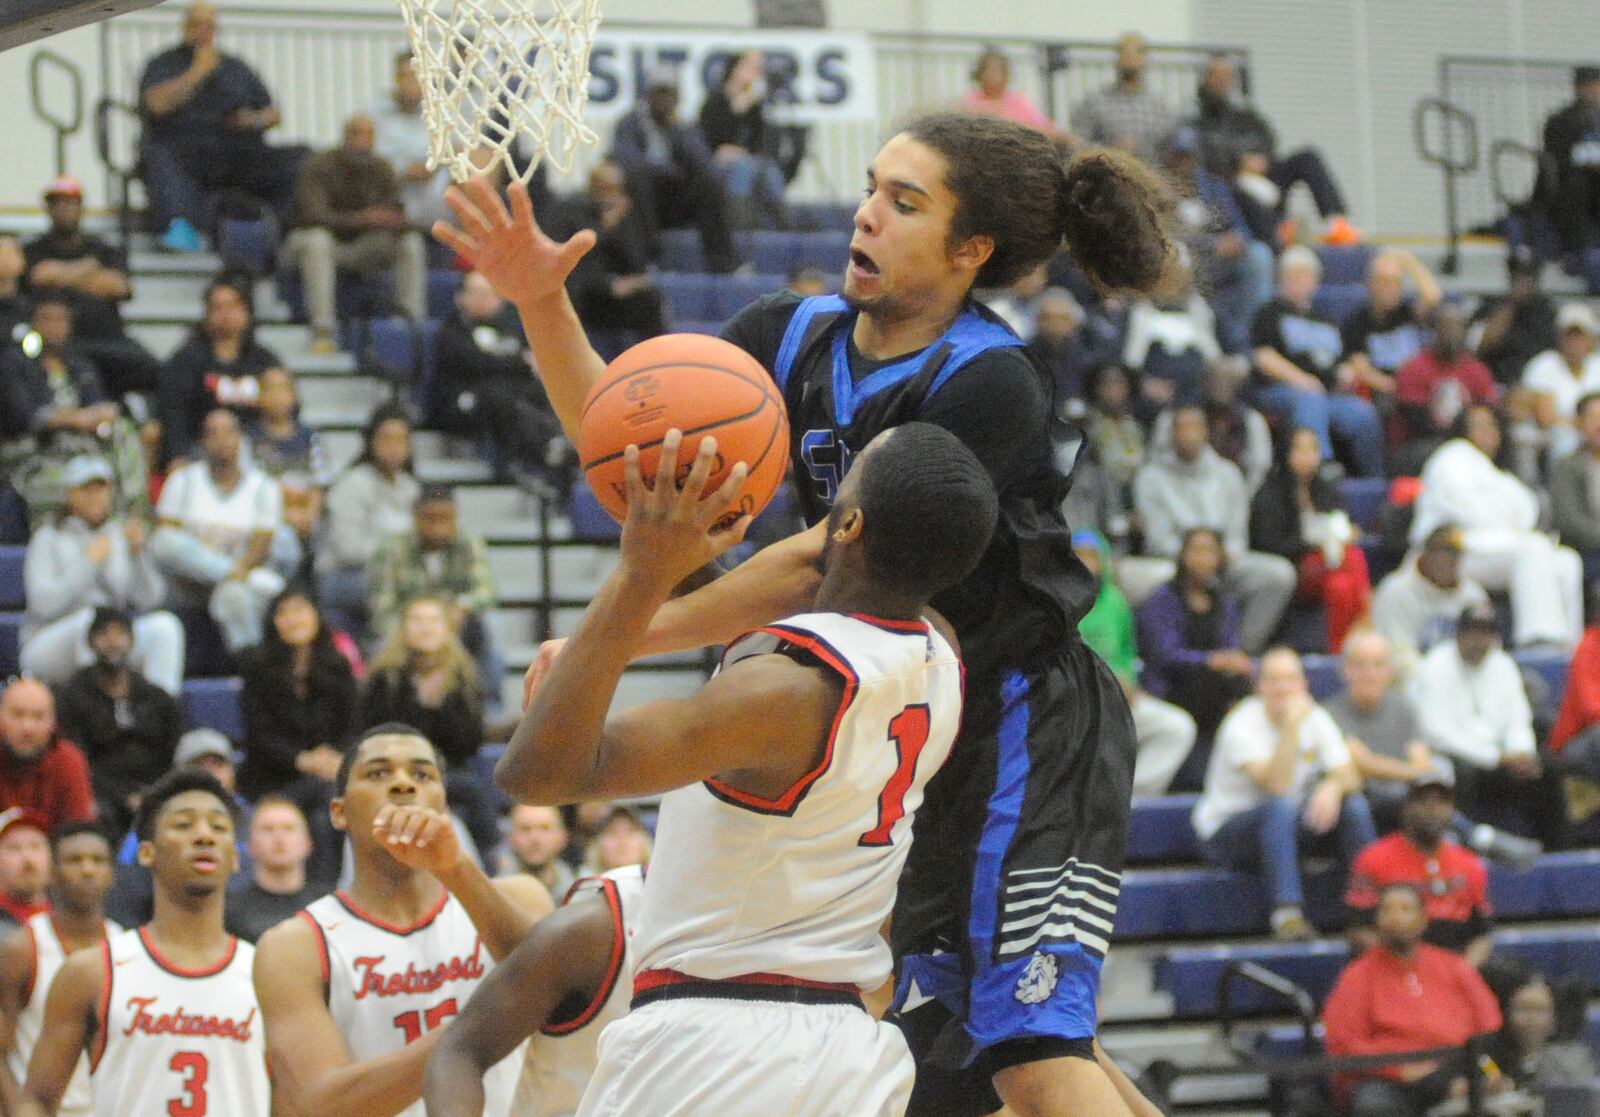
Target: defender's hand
[507, 247]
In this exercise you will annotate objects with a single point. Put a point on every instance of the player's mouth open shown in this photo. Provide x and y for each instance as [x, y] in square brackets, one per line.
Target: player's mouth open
[205, 863]
[861, 263]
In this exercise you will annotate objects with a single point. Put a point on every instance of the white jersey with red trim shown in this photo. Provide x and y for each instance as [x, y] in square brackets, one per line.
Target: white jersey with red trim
[562, 1057]
[389, 986]
[800, 885]
[48, 957]
[184, 1043]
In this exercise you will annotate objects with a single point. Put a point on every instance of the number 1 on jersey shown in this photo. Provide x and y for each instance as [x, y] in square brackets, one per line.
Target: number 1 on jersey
[909, 732]
[414, 1024]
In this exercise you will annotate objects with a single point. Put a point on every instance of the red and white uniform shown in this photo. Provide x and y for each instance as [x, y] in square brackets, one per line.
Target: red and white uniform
[388, 986]
[48, 958]
[562, 1057]
[184, 1043]
[789, 891]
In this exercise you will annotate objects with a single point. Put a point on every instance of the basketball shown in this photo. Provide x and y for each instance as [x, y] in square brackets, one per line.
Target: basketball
[701, 385]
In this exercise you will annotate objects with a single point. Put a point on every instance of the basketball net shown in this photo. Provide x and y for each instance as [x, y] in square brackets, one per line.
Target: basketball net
[495, 71]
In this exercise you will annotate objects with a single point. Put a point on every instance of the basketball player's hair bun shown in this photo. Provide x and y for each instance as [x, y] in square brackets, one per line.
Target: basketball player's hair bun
[1114, 214]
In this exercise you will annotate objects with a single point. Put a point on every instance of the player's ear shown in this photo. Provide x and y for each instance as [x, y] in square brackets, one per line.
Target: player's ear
[146, 854]
[972, 253]
[336, 813]
[849, 526]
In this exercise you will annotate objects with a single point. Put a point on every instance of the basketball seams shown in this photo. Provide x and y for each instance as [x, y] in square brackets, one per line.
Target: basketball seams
[762, 381]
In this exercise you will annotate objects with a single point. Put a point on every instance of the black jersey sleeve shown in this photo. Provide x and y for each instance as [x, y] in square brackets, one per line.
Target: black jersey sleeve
[758, 328]
[996, 405]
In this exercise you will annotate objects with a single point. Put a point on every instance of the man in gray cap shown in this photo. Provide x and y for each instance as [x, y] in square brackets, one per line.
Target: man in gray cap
[87, 559]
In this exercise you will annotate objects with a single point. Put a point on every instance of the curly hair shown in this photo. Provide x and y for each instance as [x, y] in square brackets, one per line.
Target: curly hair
[1013, 185]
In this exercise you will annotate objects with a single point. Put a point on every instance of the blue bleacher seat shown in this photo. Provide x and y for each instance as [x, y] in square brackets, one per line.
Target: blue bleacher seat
[829, 251]
[1551, 666]
[712, 327]
[680, 250]
[13, 594]
[1339, 300]
[1363, 498]
[13, 515]
[1322, 675]
[354, 296]
[1159, 829]
[1208, 903]
[687, 295]
[1558, 884]
[1344, 263]
[589, 520]
[773, 250]
[214, 703]
[10, 642]
[246, 243]
[729, 294]
[443, 283]
[1286, 1041]
[821, 215]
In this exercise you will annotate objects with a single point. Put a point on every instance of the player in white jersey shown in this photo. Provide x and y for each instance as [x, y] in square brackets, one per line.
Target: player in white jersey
[356, 989]
[166, 1013]
[570, 977]
[798, 769]
[80, 876]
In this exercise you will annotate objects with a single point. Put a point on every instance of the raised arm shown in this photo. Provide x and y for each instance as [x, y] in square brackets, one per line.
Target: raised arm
[529, 269]
[569, 958]
[67, 1031]
[311, 1065]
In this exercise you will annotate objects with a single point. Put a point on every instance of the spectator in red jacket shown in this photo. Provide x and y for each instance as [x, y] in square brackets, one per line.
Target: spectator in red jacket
[39, 771]
[1435, 386]
[1404, 995]
[1575, 737]
[24, 868]
[1453, 881]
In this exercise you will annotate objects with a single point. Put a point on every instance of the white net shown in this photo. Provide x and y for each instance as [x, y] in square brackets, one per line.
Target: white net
[495, 72]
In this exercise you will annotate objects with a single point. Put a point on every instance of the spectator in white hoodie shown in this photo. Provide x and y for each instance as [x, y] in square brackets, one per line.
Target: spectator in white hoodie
[1503, 548]
[1418, 605]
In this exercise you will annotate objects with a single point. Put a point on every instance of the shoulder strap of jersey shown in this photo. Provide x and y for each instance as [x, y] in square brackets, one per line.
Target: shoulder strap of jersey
[322, 949]
[619, 941]
[970, 336]
[795, 334]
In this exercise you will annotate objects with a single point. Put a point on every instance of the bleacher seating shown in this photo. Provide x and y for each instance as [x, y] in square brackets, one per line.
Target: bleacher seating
[1344, 263]
[1285, 1041]
[1339, 300]
[13, 593]
[214, 704]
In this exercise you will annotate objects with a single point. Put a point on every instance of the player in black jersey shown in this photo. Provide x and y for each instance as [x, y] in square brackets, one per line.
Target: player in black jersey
[1009, 896]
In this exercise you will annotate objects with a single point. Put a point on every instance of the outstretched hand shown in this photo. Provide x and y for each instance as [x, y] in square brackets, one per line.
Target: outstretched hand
[506, 246]
[672, 531]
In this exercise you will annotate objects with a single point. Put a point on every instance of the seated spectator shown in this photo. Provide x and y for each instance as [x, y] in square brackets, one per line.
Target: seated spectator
[1453, 882]
[348, 218]
[1017, 305]
[1299, 514]
[1557, 378]
[1230, 265]
[622, 840]
[1386, 331]
[206, 115]
[991, 94]
[1168, 345]
[217, 519]
[1193, 487]
[1236, 431]
[734, 126]
[126, 726]
[1295, 353]
[436, 559]
[534, 843]
[1575, 737]
[1188, 642]
[53, 407]
[1166, 733]
[1380, 726]
[40, 771]
[1404, 995]
[15, 307]
[1575, 485]
[1068, 345]
[280, 846]
[1569, 141]
[424, 677]
[670, 174]
[1519, 325]
[220, 365]
[1281, 783]
[280, 444]
[1473, 707]
[611, 286]
[298, 703]
[85, 560]
[1239, 145]
[807, 281]
[1115, 437]
[400, 137]
[1531, 1049]
[371, 501]
[1126, 114]
[1432, 388]
[1416, 606]
[24, 868]
[1502, 546]
[93, 277]
[486, 382]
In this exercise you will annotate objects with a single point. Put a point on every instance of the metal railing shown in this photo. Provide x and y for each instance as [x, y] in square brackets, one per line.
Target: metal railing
[64, 124]
[323, 66]
[1454, 150]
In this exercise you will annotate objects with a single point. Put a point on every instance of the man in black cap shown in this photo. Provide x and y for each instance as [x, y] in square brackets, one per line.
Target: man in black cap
[1519, 325]
[1572, 140]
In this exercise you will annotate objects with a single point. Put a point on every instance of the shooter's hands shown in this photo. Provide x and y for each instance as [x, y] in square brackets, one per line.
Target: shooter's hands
[671, 532]
[507, 247]
[418, 837]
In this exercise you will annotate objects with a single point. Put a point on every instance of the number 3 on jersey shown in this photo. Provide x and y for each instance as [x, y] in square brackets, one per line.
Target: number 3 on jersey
[195, 1070]
[909, 732]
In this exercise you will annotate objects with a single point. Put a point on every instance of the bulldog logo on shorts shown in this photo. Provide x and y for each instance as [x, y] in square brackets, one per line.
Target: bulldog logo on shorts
[1038, 981]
